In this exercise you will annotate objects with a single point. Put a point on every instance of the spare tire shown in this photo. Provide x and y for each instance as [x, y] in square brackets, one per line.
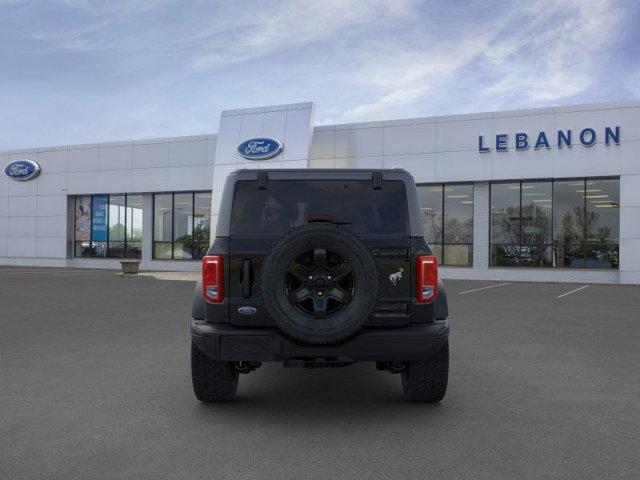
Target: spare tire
[319, 283]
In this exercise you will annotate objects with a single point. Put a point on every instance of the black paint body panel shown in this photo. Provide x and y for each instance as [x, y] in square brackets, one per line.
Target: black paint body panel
[220, 328]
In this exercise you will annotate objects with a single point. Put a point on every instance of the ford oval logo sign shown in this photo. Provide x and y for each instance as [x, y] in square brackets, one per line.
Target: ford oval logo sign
[22, 170]
[260, 148]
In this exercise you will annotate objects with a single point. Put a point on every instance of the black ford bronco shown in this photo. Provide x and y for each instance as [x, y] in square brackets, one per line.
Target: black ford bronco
[319, 268]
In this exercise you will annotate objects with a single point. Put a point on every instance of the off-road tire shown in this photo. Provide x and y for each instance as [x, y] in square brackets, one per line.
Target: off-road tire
[295, 323]
[426, 380]
[213, 381]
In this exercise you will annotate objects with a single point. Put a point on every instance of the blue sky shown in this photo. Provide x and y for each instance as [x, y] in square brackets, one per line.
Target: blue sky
[76, 71]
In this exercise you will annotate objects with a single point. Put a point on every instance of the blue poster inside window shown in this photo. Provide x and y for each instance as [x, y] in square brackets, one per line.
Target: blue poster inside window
[99, 218]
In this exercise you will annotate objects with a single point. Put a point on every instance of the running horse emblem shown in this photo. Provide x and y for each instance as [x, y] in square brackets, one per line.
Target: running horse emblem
[394, 277]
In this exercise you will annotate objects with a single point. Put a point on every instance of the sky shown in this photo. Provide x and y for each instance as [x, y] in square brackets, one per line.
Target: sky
[80, 71]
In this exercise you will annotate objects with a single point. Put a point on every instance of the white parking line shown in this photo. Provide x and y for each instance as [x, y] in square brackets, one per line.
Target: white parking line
[484, 288]
[573, 291]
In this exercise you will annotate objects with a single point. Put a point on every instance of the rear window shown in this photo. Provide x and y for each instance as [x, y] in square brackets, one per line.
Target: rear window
[287, 204]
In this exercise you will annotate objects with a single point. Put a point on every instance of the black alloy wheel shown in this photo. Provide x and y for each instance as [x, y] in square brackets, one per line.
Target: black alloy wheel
[320, 283]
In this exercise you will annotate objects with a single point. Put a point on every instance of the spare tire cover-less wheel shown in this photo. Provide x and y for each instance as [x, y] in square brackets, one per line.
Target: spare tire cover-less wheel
[319, 283]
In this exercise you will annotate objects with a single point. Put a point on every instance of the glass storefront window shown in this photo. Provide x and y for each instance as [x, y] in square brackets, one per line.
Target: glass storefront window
[162, 225]
[117, 220]
[430, 197]
[603, 211]
[201, 223]
[603, 223]
[447, 215]
[568, 212]
[99, 225]
[505, 213]
[181, 225]
[108, 226]
[569, 223]
[458, 225]
[82, 226]
[564, 223]
[134, 226]
[505, 224]
[535, 234]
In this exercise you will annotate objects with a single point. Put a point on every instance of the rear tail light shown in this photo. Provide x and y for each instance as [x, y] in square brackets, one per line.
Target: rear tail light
[213, 278]
[426, 278]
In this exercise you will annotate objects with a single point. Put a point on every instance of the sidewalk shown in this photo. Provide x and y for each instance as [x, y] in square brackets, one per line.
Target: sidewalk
[179, 276]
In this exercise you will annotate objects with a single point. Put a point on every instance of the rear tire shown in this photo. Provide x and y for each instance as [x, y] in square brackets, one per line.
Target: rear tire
[213, 381]
[426, 380]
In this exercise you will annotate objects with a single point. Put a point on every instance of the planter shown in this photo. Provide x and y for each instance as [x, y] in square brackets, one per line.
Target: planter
[130, 266]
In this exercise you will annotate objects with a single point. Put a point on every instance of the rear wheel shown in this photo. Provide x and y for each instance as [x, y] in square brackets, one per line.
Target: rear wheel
[426, 380]
[213, 381]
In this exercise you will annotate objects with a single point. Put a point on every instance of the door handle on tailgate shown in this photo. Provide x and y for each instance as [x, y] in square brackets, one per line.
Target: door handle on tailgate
[246, 278]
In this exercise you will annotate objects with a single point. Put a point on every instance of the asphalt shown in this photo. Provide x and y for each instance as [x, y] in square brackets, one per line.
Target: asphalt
[95, 383]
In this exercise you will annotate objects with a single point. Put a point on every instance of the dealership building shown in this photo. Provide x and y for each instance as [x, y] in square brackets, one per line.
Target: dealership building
[547, 194]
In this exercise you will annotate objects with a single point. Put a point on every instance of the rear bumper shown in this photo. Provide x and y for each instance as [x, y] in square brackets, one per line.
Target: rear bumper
[227, 343]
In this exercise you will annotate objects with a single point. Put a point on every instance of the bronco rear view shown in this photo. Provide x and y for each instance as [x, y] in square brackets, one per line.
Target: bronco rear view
[319, 268]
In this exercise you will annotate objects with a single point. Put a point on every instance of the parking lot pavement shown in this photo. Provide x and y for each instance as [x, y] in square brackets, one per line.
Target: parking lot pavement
[94, 383]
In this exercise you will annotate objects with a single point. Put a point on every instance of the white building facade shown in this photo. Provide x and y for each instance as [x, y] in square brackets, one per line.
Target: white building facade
[549, 194]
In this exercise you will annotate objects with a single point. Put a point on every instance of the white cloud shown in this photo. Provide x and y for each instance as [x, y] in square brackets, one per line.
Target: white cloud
[544, 52]
[258, 32]
[112, 6]
[397, 98]
[165, 67]
[556, 63]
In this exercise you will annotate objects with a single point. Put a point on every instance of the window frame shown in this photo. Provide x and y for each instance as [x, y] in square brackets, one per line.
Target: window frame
[442, 243]
[173, 213]
[107, 241]
[553, 243]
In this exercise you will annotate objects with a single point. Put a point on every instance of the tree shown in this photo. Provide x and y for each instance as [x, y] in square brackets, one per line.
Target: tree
[525, 234]
[577, 222]
[116, 232]
[197, 243]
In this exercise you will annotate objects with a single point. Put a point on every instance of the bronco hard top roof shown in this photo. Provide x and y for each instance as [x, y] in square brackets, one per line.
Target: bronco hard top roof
[266, 175]
[323, 173]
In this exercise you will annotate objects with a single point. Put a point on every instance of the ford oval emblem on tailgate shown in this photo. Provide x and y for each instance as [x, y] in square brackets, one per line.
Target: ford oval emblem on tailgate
[246, 310]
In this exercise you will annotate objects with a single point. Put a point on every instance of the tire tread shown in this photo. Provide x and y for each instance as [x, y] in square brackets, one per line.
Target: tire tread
[426, 380]
[213, 381]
